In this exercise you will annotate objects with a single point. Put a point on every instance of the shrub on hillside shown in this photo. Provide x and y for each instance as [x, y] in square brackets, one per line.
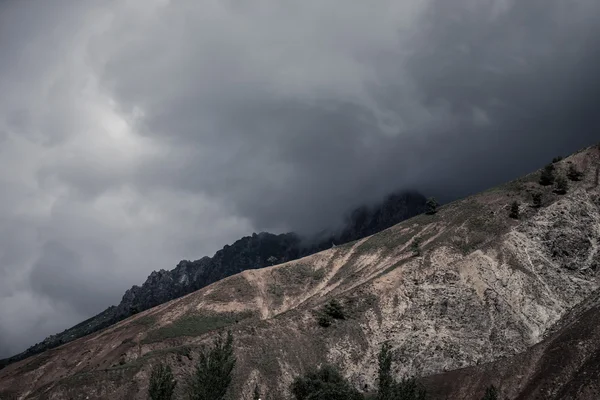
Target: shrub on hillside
[416, 246]
[537, 200]
[547, 175]
[324, 320]
[431, 206]
[326, 383]
[386, 380]
[212, 375]
[335, 310]
[573, 173]
[256, 393]
[514, 210]
[491, 393]
[561, 185]
[332, 310]
[162, 384]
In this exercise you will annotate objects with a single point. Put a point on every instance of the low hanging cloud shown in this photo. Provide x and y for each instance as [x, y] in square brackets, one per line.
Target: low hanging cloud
[137, 133]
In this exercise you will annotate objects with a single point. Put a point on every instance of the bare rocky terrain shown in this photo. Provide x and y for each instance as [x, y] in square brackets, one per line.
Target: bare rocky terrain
[564, 366]
[485, 299]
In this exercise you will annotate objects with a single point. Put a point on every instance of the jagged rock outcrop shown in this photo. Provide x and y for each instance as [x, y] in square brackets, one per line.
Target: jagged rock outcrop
[256, 251]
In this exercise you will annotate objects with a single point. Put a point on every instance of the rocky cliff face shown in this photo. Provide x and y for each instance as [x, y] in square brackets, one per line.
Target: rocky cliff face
[256, 251]
[564, 366]
[481, 287]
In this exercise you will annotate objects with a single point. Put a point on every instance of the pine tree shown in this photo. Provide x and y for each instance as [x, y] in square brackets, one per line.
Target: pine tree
[491, 393]
[537, 200]
[514, 210]
[256, 394]
[561, 185]
[547, 175]
[213, 372]
[386, 381]
[573, 173]
[416, 246]
[162, 383]
[431, 206]
[334, 309]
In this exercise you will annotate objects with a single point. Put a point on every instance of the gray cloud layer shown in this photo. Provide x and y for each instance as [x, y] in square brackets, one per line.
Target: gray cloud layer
[137, 133]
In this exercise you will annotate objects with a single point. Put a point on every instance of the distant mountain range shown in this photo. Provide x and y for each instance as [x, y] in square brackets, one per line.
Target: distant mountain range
[250, 252]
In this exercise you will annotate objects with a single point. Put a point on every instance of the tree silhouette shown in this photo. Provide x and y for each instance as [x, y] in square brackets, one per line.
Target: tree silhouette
[514, 210]
[162, 384]
[213, 372]
[431, 206]
[491, 393]
[547, 175]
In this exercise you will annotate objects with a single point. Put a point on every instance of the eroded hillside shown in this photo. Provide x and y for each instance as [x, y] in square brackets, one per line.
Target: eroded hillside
[564, 366]
[480, 286]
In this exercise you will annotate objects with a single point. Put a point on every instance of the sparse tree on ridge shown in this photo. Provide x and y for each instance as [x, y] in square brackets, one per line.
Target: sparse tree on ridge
[573, 173]
[431, 206]
[561, 185]
[547, 175]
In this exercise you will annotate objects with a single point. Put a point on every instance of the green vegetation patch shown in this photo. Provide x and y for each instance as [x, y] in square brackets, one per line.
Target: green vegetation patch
[299, 273]
[385, 240]
[234, 288]
[135, 365]
[36, 362]
[195, 325]
[275, 290]
[146, 321]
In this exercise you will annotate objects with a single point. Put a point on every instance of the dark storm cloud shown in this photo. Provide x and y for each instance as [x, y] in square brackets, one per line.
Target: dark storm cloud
[134, 134]
[466, 95]
[61, 274]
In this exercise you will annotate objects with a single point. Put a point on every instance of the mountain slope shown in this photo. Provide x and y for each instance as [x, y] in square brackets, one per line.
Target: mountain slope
[565, 366]
[484, 286]
[256, 251]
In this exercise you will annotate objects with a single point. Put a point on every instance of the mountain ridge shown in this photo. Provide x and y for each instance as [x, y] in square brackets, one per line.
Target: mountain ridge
[248, 252]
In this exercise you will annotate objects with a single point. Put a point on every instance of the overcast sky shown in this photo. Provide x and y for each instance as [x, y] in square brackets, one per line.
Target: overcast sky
[137, 133]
